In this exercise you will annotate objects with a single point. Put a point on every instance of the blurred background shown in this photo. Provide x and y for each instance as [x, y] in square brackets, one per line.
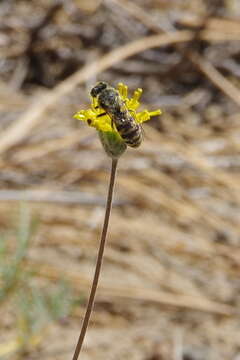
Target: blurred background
[170, 287]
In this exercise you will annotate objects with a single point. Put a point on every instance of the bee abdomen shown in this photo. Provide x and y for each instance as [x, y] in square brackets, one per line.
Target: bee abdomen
[124, 127]
[132, 136]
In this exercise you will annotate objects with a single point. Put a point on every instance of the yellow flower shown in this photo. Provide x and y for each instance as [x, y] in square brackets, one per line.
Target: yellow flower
[97, 118]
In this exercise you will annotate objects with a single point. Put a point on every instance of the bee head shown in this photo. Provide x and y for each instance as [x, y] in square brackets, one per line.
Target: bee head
[97, 89]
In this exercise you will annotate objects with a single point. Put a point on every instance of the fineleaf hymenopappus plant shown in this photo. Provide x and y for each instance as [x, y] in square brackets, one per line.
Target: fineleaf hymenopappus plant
[117, 121]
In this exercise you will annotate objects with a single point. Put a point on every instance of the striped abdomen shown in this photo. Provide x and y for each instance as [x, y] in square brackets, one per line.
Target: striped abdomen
[129, 130]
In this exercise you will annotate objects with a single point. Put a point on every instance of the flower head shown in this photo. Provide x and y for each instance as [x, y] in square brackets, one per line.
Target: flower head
[100, 119]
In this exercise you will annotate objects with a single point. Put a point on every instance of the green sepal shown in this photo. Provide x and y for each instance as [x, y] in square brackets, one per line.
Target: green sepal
[112, 143]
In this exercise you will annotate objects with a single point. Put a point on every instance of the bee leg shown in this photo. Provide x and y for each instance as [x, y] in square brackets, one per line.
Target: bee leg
[102, 114]
[112, 125]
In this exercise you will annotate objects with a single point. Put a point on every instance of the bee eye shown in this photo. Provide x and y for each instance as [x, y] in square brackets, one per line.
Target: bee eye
[89, 121]
[98, 88]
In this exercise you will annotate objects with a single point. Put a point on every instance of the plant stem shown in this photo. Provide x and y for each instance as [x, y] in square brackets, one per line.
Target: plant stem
[98, 263]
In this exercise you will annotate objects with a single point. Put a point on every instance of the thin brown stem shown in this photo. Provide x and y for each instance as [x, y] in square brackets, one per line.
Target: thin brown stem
[98, 263]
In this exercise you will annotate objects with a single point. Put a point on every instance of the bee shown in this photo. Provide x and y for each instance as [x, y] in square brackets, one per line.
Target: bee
[111, 102]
